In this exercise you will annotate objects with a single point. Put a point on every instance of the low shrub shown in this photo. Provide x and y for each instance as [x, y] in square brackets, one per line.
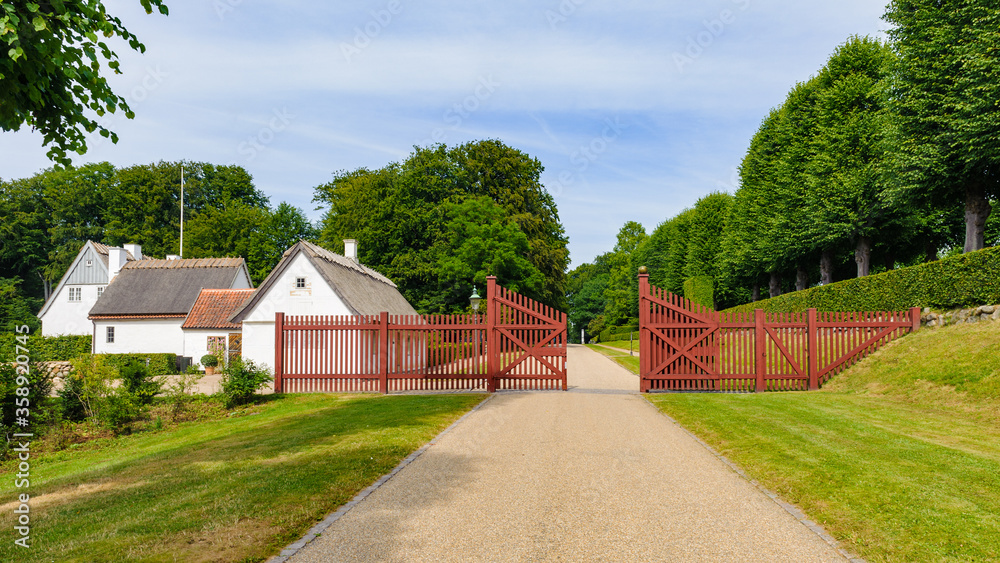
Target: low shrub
[137, 380]
[955, 282]
[158, 364]
[45, 348]
[241, 380]
[700, 290]
[70, 399]
[108, 405]
[16, 405]
[209, 360]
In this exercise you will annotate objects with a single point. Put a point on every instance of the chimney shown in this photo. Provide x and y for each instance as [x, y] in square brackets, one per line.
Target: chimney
[135, 249]
[117, 257]
[351, 249]
[173, 257]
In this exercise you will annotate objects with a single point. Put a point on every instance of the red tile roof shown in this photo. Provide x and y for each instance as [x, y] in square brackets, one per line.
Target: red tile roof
[213, 308]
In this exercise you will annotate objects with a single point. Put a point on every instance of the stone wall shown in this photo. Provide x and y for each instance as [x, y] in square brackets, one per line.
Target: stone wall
[973, 315]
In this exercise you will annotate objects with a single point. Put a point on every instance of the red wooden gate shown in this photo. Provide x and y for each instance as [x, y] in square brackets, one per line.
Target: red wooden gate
[518, 344]
[687, 347]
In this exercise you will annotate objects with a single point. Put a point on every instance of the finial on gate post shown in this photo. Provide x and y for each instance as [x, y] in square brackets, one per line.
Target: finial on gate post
[643, 270]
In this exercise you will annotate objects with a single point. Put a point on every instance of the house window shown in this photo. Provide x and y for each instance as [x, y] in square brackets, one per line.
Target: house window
[75, 294]
[217, 345]
[110, 335]
[100, 291]
[300, 283]
[90, 263]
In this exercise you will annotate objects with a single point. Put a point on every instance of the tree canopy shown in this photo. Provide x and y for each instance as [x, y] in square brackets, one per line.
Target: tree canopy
[51, 74]
[445, 218]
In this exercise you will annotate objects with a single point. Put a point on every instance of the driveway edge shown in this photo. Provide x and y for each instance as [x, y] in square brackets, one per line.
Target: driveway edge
[321, 527]
[788, 507]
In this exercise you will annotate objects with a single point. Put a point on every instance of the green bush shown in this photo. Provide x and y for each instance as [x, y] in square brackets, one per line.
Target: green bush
[700, 290]
[241, 380]
[45, 348]
[103, 402]
[158, 364]
[209, 360]
[70, 399]
[959, 281]
[137, 380]
[39, 384]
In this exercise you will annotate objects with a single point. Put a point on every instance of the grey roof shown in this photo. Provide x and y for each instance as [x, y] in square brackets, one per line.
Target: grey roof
[363, 290]
[142, 288]
[102, 252]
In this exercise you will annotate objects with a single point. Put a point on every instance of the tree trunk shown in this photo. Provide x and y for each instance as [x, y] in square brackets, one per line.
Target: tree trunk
[863, 256]
[930, 252]
[826, 268]
[775, 286]
[46, 287]
[977, 210]
[801, 279]
[755, 292]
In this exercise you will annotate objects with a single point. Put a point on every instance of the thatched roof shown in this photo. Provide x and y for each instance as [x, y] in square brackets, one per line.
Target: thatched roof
[165, 287]
[363, 290]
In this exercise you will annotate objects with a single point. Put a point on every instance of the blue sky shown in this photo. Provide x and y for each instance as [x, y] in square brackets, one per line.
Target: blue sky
[635, 108]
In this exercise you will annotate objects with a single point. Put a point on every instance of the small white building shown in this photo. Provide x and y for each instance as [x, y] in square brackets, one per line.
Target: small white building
[146, 304]
[207, 328]
[92, 270]
[311, 280]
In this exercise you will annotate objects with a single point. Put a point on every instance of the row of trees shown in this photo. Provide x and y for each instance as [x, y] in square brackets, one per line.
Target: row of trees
[445, 218]
[45, 219]
[887, 157]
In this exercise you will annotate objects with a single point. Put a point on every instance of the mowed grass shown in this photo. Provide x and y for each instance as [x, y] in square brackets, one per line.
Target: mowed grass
[898, 457]
[238, 489]
[623, 358]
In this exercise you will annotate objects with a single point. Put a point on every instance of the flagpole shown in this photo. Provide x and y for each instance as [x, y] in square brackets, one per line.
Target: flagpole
[181, 253]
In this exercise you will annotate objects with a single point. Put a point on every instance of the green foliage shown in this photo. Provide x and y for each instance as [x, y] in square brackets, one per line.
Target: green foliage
[620, 297]
[157, 364]
[946, 83]
[38, 383]
[700, 290]
[50, 76]
[209, 360]
[963, 280]
[45, 348]
[16, 309]
[179, 391]
[71, 399]
[241, 381]
[404, 215]
[283, 227]
[585, 295]
[112, 406]
[138, 383]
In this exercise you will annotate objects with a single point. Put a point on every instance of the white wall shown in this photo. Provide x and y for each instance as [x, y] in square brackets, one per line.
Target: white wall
[196, 342]
[64, 317]
[242, 281]
[316, 299]
[145, 336]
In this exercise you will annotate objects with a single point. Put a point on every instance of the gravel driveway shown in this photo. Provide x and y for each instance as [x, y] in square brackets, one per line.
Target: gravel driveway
[593, 474]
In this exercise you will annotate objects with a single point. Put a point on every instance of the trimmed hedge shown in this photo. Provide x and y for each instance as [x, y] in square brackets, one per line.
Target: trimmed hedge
[159, 364]
[700, 290]
[45, 348]
[956, 282]
[614, 333]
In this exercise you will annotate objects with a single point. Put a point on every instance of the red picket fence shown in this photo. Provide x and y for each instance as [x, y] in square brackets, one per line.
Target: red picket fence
[517, 344]
[688, 347]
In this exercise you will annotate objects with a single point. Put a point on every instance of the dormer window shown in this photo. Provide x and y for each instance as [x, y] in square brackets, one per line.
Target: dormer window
[300, 283]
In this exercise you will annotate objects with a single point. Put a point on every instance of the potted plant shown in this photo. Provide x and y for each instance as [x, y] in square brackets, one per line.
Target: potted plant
[209, 361]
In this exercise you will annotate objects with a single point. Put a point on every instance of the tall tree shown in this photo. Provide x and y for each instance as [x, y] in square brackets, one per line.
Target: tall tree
[50, 72]
[621, 306]
[945, 103]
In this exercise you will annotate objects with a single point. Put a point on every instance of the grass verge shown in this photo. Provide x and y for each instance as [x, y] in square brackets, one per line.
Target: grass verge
[237, 489]
[621, 357]
[898, 458]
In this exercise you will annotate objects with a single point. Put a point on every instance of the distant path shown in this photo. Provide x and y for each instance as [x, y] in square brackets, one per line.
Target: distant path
[593, 474]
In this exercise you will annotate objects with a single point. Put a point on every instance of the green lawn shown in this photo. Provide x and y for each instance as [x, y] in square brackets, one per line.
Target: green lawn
[236, 489]
[623, 358]
[898, 457]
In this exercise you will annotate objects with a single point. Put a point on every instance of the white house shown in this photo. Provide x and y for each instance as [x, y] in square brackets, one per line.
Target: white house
[144, 307]
[207, 328]
[311, 280]
[91, 271]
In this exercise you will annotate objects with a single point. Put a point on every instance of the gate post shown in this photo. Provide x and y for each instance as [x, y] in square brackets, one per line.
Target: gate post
[383, 353]
[645, 346]
[492, 339]
[813, 336]
[759, 338]
[279, 351]
[914, 319]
